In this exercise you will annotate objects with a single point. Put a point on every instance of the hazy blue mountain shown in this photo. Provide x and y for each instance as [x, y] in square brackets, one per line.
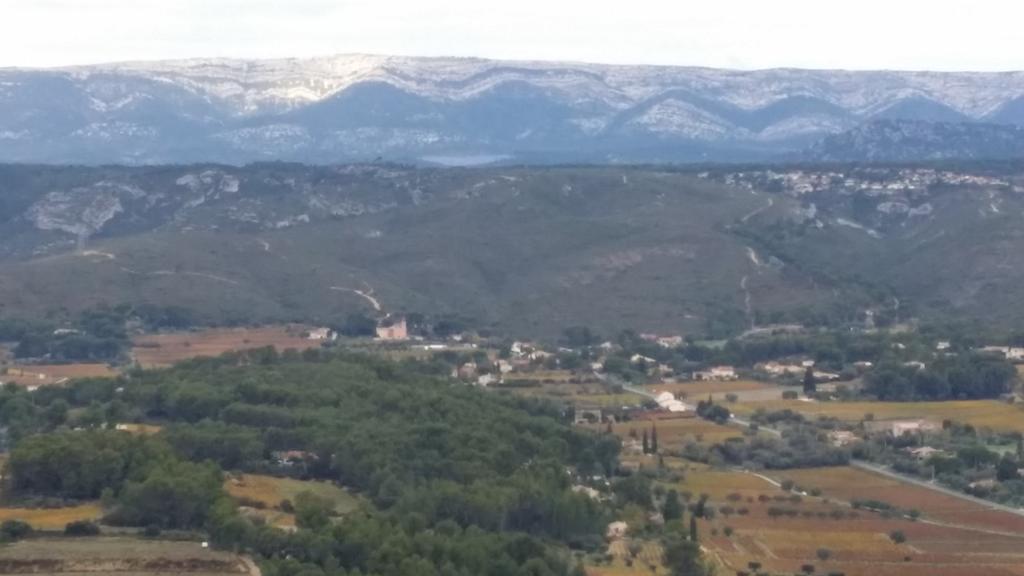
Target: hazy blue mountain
[358, 107]
[908, 140]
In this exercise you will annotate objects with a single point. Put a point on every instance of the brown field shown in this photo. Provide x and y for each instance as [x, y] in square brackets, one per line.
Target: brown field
[993, 414]
[673, 433]
[161, 350]
[953, 538]
[52, 518]
[117, 555]
[269, 491]
[854, 484]
[552, 376]
[702, 388]
[51, 374]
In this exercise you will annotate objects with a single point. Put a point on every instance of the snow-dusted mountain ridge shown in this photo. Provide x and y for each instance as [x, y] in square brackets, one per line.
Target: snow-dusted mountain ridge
[355, 107]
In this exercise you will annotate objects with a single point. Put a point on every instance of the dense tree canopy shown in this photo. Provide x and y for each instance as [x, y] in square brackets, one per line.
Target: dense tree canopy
[458, 476]
[960, 377]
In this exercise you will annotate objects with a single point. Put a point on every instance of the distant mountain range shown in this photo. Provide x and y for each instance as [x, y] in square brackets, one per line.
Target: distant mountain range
[913, 140]
[463, 111]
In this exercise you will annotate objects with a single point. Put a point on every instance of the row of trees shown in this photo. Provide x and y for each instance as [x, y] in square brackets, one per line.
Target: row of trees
[960, 377]
[97, 334]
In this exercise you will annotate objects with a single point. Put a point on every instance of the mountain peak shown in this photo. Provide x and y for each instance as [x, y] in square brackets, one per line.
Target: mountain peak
[361, 106]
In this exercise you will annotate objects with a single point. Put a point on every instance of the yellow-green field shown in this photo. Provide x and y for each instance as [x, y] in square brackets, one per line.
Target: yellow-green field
[704, 387]
[673, 433]
[718, 484]
[52, 518]
[542, 376]
[997, 415]
[270, 491]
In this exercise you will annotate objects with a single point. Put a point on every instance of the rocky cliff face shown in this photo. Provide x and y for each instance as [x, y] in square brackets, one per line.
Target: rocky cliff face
[347, 108]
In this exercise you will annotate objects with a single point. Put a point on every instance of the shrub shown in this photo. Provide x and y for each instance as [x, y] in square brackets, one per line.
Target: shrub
[11, 530]
[151, 531]
[897, 536]
[81, 528]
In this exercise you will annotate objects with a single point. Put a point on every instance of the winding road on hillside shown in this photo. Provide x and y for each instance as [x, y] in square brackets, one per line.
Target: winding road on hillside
[771, 202]
[368, 296]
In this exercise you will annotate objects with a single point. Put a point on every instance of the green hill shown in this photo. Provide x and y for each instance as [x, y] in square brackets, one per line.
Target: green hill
[528, 251]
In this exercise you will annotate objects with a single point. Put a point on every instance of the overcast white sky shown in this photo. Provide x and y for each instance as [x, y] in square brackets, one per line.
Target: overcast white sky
[858, 34]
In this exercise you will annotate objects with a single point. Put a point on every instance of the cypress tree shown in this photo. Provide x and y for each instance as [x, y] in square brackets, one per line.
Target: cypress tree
[646, 444]
[810, 386]
[673, 509]
[654, 439]
[693, 528]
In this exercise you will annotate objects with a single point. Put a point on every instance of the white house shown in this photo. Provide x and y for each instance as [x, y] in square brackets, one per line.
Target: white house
[924, 452]
[842, 438]
[322, 334]
[898, 428]
[1009, 352]
[638, 358]
[717, 373]
[616, 530]
[668, 401]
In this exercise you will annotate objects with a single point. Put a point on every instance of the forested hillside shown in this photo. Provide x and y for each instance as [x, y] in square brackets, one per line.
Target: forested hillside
[457, 478]
[523, 252]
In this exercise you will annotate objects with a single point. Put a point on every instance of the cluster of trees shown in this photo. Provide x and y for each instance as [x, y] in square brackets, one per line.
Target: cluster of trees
[458, 477]
[141, 481]
[715, 412]
[97, 334]
[979, 462]
[798, 448]
[960, 377]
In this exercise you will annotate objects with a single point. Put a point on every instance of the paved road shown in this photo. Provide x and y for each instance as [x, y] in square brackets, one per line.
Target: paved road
[616, 381]
[734, 421]
[861, 464]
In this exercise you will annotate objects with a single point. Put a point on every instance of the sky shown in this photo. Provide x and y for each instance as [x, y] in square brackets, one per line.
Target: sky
[746, 34]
